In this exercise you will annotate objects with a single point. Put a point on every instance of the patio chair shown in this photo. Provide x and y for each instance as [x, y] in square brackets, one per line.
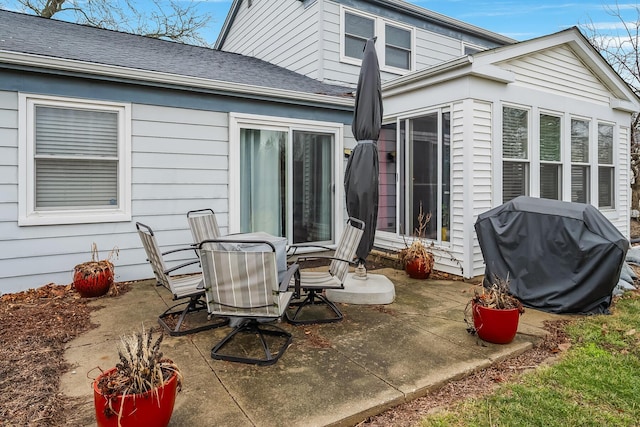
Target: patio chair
[182, 287]
[243, 285]
[310, 285]
[203, 225]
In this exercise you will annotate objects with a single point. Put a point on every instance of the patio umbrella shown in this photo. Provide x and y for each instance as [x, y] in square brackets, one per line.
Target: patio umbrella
[361, 175]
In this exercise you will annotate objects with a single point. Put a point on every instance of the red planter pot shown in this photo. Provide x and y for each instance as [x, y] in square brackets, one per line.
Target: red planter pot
[93, 281]
[417, 269]
[495, 326]
[147, 409]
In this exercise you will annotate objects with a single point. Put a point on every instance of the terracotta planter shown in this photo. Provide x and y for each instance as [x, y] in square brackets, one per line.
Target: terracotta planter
[418, 268]
[93, 279]
[147, 409]
[495, 326]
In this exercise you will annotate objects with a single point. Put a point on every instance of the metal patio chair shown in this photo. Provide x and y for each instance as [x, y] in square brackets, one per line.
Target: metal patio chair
[203, 225]
[182, 287]
[244, 286]
[310, 285]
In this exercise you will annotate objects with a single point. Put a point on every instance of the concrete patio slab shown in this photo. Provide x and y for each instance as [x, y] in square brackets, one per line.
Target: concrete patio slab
[331, 374]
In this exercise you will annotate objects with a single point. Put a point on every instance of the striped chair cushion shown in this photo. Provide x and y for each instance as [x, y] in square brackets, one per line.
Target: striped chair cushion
[346, 249]
[319, 280]
[155, 258]
[243, 284]
[203, 227]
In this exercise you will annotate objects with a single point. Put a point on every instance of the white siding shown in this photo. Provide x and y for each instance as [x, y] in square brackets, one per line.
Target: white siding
[179, 163]
[282, 32]
[481, 177]
[558, 71]
[306, 40]
[623, 188]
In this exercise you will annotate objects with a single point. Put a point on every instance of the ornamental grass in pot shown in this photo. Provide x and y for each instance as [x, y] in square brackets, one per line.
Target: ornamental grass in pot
[495, 312]
[141, 388]
[417, 259]
[94, 278]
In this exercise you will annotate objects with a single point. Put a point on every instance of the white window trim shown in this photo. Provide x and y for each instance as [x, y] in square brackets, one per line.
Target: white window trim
[536, 160]
[27, 215]
[238, 120]
[379, 32]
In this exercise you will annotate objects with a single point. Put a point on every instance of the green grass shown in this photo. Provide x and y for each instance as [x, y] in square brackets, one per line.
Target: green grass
[596, 382]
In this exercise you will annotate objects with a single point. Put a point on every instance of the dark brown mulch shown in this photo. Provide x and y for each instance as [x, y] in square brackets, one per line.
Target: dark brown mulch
[35, 327]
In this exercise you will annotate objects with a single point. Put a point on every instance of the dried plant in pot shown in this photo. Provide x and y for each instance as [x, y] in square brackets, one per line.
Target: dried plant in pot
[141, 389]
[417, 258]
[94, 278]
[495, 312]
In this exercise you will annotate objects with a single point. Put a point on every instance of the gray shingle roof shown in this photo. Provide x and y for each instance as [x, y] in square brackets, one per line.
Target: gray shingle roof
[58, 39]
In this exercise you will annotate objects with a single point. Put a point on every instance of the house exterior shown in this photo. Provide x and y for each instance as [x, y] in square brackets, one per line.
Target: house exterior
[545, 118]
[96, 137]
[472, 119]
[324, 39]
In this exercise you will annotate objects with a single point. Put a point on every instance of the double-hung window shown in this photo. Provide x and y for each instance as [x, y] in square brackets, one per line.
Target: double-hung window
[285, 178]
[606, 168]
[550, 157]
[515, 153]
[74, 160]
[580, 171]
[394, 42]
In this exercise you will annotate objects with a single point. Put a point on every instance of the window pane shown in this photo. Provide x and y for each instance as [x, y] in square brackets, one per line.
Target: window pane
[387, 178]
[605, 187]
[312, 187]
[358, 26]
[66, 131]
[551, 181]
[398, 37]
[579, 141]
[515, 133]
[549, 138]
[424, 171]
[354, 47]
[580, 184]
[398, 58]
[65, 184]
[263, 181]
[515, 177]
[605, 144]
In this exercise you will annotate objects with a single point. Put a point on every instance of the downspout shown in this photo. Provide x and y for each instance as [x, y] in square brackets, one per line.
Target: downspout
[321, 16]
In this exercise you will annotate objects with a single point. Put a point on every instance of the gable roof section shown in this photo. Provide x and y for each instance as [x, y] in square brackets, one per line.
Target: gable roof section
[503, 63]
[402, 7]
[31, 41]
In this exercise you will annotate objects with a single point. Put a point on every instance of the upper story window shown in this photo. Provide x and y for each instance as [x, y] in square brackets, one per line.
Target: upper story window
[74, 158]
[394, 42]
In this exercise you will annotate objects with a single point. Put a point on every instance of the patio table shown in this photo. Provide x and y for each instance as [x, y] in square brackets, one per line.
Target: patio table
[280, 243]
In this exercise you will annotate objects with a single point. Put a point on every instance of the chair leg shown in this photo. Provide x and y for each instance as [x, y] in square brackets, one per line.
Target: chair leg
[313, 298]
[260, 331]
[194, 304]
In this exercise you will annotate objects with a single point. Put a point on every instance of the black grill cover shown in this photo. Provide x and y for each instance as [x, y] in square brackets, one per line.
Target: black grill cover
[561, 257]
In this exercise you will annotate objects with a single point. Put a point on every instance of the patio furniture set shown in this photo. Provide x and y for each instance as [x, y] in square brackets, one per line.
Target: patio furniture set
[248, 282]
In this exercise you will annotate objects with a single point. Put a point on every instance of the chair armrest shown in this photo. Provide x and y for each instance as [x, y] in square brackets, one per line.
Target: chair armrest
[178, 267]
[232, 241]
[325, 258]
[173, 251]
[293, 249]
[291, 271]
